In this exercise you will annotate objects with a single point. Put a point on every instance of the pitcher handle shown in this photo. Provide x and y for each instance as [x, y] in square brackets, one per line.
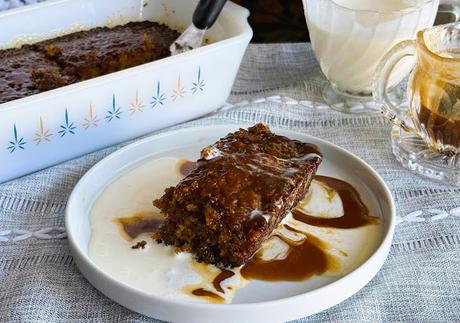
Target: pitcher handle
[450, 6]
[382, 74]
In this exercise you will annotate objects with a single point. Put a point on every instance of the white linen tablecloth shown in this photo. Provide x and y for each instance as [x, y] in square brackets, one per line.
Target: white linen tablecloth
[280, 85]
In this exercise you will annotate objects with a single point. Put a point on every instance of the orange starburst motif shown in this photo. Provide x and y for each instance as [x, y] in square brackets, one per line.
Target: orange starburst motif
[179, 91]
[91, 120]
[43, 134]
[137, 105]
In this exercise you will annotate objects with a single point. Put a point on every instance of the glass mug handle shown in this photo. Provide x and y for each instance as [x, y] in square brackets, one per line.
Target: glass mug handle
[389, 61]
[382, 74]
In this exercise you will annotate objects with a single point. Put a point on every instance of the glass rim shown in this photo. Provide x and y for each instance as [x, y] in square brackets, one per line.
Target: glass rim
[421, 43]
[389, 12]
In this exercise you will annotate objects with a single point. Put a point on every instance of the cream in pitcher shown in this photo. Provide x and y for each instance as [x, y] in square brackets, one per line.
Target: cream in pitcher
[350, 37]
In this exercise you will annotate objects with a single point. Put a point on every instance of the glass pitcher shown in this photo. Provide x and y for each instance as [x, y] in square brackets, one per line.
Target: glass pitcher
[433, 112]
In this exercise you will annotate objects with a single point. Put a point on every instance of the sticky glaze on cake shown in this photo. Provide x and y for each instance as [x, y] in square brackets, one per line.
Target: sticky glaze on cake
[80, 56]
[16, 72]
[243, 187]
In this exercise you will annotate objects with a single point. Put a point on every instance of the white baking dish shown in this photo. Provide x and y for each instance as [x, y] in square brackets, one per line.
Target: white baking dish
[44, 129]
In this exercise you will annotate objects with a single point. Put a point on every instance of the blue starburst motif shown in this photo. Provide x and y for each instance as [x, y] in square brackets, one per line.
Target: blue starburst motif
[67, 127]
[199, 84]
[114, 113]
[16, 143]
[159, 98]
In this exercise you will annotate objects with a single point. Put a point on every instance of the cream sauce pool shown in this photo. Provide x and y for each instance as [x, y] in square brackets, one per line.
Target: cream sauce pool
[312, 241]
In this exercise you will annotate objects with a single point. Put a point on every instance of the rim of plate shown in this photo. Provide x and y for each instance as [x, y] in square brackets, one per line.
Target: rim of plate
[388, 235]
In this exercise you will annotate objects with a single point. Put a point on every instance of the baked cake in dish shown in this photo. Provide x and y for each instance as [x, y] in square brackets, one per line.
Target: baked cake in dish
[242, 188]
[80, 56]
[16, 72]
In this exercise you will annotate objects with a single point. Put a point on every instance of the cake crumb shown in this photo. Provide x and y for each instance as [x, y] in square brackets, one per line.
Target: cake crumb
[140, 244]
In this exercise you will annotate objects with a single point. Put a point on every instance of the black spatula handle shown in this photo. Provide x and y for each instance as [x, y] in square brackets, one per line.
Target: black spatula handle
[207, 12]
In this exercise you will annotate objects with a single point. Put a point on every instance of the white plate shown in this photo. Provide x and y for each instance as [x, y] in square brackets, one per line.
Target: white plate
[259, 301]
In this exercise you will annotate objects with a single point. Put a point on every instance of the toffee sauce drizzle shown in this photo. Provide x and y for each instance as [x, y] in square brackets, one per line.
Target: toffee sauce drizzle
[309, 257]
[201, 292]
[139, 223]
[185, 167]
[356, 214]
[304, 260]
[224, 274]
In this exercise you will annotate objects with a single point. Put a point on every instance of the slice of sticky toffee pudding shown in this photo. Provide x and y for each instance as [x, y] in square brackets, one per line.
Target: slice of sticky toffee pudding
[242, 188]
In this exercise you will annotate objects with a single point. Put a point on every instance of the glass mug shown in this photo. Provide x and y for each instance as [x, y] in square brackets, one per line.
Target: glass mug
[433, 90]
[349, 38]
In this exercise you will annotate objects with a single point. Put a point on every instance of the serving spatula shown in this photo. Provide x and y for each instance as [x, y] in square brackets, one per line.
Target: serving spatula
[204, 16]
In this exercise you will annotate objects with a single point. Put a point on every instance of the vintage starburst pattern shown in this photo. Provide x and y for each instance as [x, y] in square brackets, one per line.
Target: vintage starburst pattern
[68, 127]
[179, 91]
[17, 142]
[158, 98]
[199, 84]
[114, 113]
[137, 105]
[43, 134]
[91, 120]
